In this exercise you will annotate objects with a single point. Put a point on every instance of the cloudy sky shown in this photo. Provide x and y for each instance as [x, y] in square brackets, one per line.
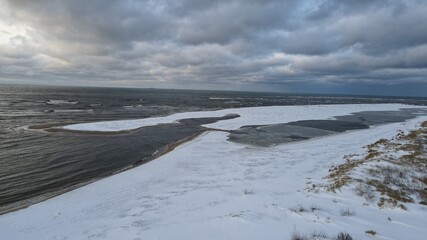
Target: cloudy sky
[324, 46]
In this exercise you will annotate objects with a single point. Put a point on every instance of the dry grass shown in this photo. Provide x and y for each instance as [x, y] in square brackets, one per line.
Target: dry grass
[344, 236]
[398, 179]
[298, 236]
[318, 235]
[371, 232]
[346, 212]
[301, 209]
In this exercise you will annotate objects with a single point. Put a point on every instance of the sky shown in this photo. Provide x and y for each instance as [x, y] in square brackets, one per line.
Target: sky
[372, 47]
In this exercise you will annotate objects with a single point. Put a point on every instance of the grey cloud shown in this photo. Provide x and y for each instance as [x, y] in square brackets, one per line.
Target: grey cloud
[237, 20]
[101, 21]
[207, 42]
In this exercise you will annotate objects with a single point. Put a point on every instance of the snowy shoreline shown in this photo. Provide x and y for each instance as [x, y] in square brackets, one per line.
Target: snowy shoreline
[270, 115]
[210, 188]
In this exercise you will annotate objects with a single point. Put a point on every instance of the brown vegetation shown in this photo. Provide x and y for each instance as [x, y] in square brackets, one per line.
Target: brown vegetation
[397, 177]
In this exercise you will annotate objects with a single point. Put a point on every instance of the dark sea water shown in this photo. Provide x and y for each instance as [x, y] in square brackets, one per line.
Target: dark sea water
[36, 164]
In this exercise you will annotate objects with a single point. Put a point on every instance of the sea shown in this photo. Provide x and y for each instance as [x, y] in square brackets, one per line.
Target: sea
[37, 164]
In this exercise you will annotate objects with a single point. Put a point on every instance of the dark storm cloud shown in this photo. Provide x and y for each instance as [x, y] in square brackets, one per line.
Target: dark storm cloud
[188, 43]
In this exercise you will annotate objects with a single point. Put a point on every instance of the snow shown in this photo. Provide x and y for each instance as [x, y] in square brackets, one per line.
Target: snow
[265, 115]
[211, 188]
[61, 102]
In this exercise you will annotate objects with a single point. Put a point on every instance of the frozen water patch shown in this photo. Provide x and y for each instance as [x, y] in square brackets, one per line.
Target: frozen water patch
[72, 110]
[61, 102]
[260, 115]
[219, 98]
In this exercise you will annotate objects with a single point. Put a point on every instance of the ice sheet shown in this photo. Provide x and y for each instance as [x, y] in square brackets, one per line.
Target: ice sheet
[260, 115]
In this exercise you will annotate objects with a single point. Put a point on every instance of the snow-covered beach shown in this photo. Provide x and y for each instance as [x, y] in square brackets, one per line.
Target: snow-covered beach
[211, 188]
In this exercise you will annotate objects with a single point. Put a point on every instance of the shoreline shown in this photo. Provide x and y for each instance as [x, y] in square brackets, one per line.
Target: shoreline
[160, 152]
[205, 181]
[202, 183]
[133, 124]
